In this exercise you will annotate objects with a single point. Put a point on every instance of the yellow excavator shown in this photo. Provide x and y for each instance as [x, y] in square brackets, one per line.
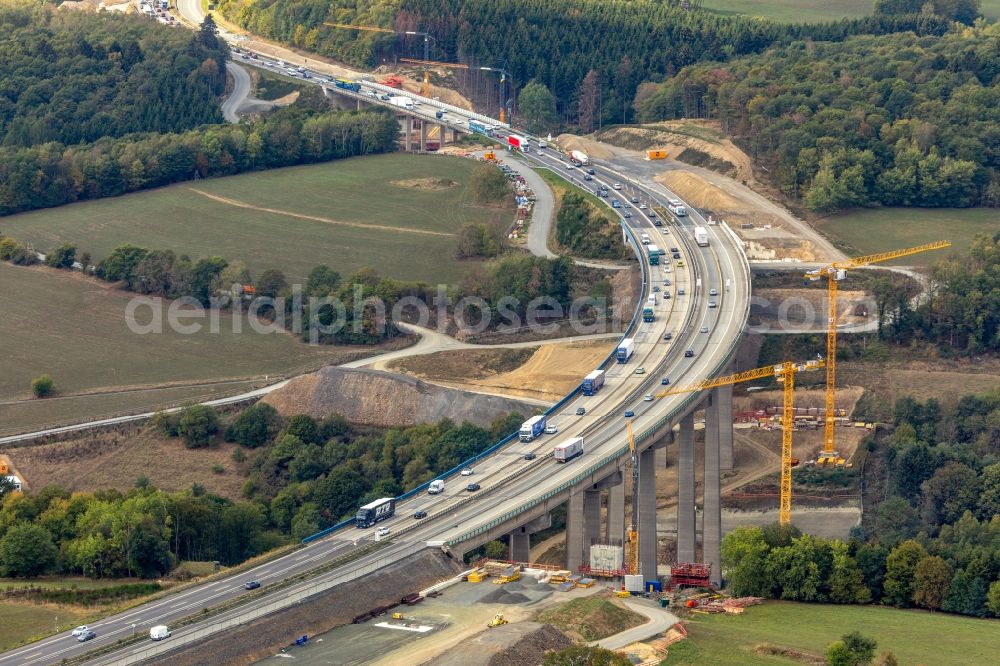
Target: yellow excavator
[497, 620]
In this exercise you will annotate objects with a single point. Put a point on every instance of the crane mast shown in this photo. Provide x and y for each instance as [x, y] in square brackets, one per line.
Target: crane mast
[834, 273]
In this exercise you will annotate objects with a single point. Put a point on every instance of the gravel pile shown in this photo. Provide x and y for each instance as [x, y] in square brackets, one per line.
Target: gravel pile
[531, 648]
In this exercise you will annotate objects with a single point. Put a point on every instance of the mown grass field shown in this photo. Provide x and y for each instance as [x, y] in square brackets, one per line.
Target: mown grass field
[21, 622]
[882, 229]
[398, 214]
[810, 11]
[915, 637]
[75, 330]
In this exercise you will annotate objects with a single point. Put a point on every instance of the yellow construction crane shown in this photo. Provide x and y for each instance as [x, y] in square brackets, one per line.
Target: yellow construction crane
[632, 537]
[784, 373]
[834, 273]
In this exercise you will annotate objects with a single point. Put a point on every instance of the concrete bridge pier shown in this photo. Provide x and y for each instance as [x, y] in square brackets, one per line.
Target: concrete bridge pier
[685, 491]
[725, 421]
[712, 527]
[520, 539]
[407, 132]
[615, 527]
[423, 136]
[583, 519]
[647, 512]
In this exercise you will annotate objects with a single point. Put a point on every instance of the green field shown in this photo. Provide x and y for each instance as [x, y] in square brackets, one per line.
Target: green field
[21, 622]
[881, 229]
[74, 329]
[915, 637]
[810, 11]
[365, 211]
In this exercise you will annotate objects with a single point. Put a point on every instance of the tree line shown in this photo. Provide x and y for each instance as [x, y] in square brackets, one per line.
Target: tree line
[303, 475]
[53, 174]
[896, 120]
[961, 315]
[933, 542]
[365, 302]
[75, 77]
[556, 42]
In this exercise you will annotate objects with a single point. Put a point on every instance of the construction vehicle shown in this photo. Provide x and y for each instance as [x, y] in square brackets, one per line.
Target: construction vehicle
[497, 620]
[490, 156]
[784, 373]
[834, 273]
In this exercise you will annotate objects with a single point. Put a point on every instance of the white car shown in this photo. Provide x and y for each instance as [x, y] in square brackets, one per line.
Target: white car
[383, 531]
[82, 629]
[468, 471]
[642, 206]
[648, 397]
[551, 429]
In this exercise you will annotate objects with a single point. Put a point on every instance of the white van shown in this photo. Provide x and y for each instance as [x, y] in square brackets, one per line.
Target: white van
[437, 486]
[651, 300]
[644, 238]
[159, 632]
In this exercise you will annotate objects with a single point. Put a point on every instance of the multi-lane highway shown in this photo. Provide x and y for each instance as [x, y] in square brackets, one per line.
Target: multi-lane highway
[703, 337]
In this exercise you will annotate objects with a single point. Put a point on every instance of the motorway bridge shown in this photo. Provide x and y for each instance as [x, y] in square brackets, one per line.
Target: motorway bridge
[516, 494]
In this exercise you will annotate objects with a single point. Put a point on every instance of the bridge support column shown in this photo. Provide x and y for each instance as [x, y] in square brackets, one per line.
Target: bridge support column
[520, 538]
[712, 527]
[408, 129]
[442, 132]
[647, 513]
[685, 491]
[591, 521]
[725, 394]
[616, 514]
[423, 136]
[575, 530]
[520, 546]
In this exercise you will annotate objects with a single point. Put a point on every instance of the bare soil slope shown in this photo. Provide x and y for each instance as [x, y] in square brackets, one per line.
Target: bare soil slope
[262, 638]
[675, 136]
[550, 373]
[512, 644]
[372, 397]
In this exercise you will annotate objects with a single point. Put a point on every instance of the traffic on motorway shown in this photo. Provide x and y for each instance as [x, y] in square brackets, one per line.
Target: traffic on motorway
[684, 340]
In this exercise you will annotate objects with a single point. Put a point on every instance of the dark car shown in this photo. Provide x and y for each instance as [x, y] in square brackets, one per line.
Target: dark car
[689, 353]
[665, 381]
[668, 336]
[529, 456]
[420, 514]
[86, 636]
[472, 487]
[674, 249]
[580, 411]
[629, 413]
[251, 584]
[677, 255]
[591, 172]
[588, 177]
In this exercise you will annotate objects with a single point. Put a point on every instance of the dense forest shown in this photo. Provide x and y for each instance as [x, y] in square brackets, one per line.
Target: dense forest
[53, 174]
[896, 120]
[961, 315]
[74, 77]
[586, 231]
[933, 542]
[557, 42]
[304, 475]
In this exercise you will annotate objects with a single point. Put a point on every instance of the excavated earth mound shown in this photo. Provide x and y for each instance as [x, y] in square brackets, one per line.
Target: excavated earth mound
[372, 397]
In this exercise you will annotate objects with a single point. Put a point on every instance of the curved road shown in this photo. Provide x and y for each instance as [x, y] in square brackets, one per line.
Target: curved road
[241, 90]
[659, 621]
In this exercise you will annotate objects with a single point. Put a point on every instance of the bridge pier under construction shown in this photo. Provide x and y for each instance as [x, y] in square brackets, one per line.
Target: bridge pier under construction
[583, 517]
